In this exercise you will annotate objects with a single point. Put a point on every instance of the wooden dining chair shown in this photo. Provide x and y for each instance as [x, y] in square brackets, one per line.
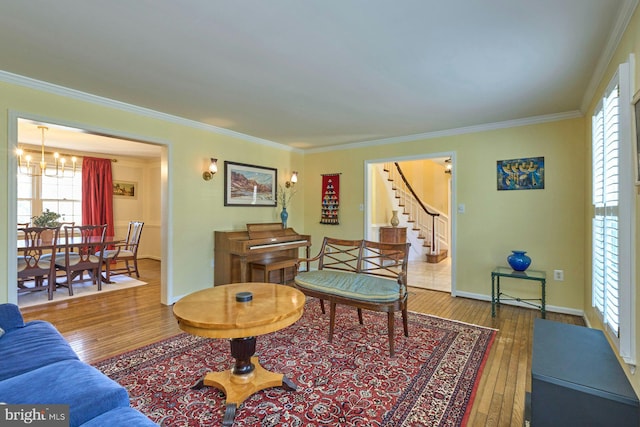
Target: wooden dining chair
[34, 261]
[81, 243]
[126, 252]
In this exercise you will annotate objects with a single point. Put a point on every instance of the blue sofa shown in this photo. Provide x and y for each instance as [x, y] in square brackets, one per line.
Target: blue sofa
[38, 366]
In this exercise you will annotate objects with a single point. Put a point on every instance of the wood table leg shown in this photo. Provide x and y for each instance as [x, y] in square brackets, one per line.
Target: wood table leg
[245, 378]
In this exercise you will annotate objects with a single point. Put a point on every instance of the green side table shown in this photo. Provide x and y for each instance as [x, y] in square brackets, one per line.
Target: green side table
[499, 272]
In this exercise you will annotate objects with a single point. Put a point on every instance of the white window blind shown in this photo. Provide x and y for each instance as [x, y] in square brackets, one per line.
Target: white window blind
[605, 200]
[611, 244]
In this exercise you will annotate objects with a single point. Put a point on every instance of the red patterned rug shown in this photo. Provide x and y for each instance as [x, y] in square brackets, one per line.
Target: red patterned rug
[431, 381]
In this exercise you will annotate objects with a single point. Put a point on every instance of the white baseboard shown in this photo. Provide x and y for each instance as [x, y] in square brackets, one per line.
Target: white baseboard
[550, 308]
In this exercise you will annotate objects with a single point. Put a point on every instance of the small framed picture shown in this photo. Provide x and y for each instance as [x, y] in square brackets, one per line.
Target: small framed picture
[126, 189]
[249, 185]
[521, 174]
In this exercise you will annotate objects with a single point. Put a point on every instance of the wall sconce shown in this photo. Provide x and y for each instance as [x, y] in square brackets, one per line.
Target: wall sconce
[213, 168]
[448, 166]
[294, 179]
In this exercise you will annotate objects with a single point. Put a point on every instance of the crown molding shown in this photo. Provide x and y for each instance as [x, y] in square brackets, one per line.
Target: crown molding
[122, 106]
[452, 132]
[54, 89]
[622, 21]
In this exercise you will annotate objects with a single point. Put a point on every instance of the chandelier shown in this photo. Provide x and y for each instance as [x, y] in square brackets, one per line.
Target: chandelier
[59, 169]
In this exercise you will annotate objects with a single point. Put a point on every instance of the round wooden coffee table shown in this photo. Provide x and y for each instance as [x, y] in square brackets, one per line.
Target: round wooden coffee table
[216, 313]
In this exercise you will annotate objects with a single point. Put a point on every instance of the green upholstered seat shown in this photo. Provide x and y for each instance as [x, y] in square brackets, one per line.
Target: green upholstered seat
[361, 287]
[24, 262]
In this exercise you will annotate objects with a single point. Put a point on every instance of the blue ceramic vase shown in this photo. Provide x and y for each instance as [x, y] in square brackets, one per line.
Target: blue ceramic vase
[519, 261]
[284, 215]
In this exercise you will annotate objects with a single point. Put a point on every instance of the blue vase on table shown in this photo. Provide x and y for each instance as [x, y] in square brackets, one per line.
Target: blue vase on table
[284, 215]
[519, 261]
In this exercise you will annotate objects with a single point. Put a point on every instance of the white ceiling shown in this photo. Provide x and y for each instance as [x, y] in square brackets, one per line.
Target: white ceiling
[320, 73]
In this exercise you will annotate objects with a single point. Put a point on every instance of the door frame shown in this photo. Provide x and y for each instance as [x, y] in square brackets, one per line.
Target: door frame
[368, 206]
[166, 285]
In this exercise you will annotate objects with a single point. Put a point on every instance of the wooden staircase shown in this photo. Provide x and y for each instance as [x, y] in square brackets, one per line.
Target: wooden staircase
[431, 227]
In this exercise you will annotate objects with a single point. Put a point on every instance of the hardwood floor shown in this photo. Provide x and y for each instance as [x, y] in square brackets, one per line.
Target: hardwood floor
[108, 324]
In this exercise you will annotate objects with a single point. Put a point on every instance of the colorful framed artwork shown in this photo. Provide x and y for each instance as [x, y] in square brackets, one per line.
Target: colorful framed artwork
[521, 174]
[126, 189]
[249, 185]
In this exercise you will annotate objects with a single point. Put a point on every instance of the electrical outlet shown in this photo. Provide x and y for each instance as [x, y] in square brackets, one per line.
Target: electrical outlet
[558, 275]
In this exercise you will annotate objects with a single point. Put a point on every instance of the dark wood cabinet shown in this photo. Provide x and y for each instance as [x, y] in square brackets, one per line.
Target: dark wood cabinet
[393, 234]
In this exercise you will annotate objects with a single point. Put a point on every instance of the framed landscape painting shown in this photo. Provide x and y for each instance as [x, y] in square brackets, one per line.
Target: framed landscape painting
[249, 185]
[125, 189]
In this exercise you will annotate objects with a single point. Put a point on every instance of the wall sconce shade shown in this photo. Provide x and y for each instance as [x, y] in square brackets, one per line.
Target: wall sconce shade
[213, 168]
[294, 179]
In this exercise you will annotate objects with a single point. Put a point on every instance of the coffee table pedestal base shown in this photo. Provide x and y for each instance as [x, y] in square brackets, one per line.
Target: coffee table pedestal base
[238, 388]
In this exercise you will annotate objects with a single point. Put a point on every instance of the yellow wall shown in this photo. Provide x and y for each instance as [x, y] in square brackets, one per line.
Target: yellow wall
[382, 205]
[549, 223]
[197, 207]
[146, 206]
[429, 181]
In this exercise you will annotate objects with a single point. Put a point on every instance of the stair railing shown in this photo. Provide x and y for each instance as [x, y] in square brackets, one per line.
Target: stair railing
[429, 225]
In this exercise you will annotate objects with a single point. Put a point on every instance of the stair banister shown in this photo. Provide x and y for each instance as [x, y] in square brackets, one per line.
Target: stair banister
[433, 215]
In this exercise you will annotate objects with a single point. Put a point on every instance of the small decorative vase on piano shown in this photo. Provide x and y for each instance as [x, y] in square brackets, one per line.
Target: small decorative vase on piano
[284, 215]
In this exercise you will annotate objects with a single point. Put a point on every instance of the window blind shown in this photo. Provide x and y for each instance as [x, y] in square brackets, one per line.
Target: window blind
[606, 151]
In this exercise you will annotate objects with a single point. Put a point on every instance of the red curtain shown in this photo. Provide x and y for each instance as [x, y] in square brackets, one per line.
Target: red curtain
[97, 193]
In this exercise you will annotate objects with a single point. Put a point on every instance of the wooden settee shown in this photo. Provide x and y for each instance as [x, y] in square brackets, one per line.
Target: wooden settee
[360, 273]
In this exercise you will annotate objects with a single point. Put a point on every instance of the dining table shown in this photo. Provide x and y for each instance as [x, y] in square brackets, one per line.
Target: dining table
[63, 243]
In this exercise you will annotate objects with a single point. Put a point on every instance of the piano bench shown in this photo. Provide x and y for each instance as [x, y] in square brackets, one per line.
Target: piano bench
[273, 264]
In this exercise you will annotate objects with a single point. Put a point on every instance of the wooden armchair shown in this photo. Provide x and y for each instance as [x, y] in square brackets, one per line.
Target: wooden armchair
[124, 252]
[81, 242]
[33, 264]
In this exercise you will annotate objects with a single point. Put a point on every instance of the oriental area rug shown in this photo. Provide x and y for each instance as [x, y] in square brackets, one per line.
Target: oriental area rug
[431, 381]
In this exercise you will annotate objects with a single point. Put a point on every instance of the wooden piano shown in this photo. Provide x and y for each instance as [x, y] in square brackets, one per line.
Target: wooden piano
[235, 250]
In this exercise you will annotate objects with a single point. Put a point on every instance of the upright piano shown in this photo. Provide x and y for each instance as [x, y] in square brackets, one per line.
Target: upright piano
[235, 250]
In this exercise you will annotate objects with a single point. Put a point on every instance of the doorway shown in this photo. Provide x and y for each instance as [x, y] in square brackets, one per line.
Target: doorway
[381, 199]
[89, 141]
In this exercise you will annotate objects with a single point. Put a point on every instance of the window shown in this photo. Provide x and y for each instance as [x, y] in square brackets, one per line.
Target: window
[62, 195]
[611, 222]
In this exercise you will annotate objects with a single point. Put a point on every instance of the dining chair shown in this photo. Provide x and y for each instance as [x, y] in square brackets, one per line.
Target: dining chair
[126, 252]
[81, 243]
[34, 263]
[62, 224]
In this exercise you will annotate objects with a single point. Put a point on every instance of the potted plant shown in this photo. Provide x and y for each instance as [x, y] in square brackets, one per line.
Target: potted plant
[46, 219]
